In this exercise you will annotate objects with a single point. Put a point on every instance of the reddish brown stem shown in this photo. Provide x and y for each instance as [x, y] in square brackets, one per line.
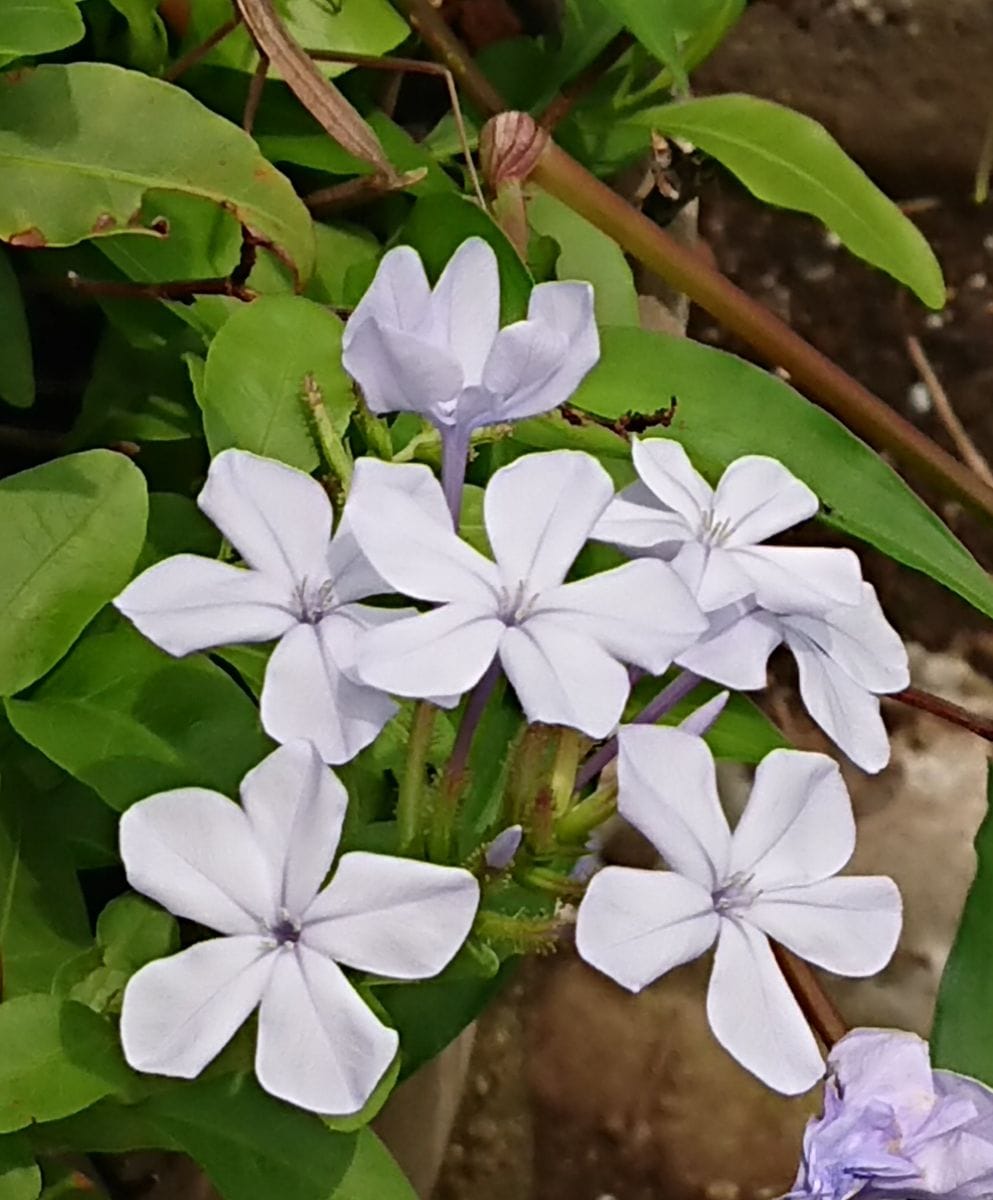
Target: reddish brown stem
[955, 714]
[586, 81]
[192, 57]
[182, 290]
[821, 1014]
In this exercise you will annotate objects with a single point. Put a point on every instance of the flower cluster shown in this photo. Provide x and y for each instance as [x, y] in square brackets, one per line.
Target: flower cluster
[699, 590]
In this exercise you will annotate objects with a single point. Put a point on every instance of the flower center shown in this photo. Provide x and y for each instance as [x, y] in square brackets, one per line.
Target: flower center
[516, 605]
[286, 931]
[736, 895]
[314, 600]
[714, 532]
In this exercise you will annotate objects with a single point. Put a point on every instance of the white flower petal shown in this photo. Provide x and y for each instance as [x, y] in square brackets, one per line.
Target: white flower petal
[754, 1016]
[635, 925]
[712, 575]
[760, 497]
[635, 519]
[668, 790]
[465, 306]
[188, 603]
[861, 641]
[844, 709]
[180, 1012]
[849, 925]
[539, 512]
[276, 517]
[352, 575]
[393, 917]
[800, 579]
[399, 296]
[194, 852]
[395, 519]
[295, 807]
[568, 308]
[563, 678]
[402, 372]
[640, 613]
[666, 470]
[440, 653]
[307, 693]
[320, 1047]
[735, 650]
[797, 826]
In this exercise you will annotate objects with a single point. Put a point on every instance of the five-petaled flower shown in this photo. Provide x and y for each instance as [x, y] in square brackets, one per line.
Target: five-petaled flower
[254, 873]
[772, 878]
[562, 645]
[759, 596]
[301, 586]
[442, 353]
[893, 1127]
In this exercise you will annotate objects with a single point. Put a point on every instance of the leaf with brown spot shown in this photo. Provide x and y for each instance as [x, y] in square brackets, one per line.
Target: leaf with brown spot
[82, 144]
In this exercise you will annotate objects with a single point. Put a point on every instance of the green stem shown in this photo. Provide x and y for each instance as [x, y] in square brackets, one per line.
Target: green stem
[578, 823]
[567, 755]
[410, 801]
[564, 178]
[332, 449]
[526, 773]
[375, 433]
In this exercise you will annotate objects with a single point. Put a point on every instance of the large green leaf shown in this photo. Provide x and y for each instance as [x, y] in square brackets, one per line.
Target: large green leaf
[16, 368]
[679, 33]
[42, 917]
[20, 1178]
[252, 389]
[251, 1145]
[70, 531]
[373, 1172]
[56, 1057]
[127, 720]
[786, 158]
[81, 145]
[586, 253]
[960, 1040]
[38, 27]
[726, 407]
[147, 43]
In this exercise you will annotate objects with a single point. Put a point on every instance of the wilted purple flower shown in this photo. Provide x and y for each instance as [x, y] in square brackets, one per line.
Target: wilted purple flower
[441, 353]
[893, 1128]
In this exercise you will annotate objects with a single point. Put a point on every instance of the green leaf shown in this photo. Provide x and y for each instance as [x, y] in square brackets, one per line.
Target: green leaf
[56, 1057]
[82, 144]
[128, 720]
[439, 224]
[20, 1178]
[960, 1039]
[16, 367]
[252, 393]
[371, 27]
[147, 42]
[655, 26]
[586, 253]
[742, 733]
[373, 1172]
[71, 531]
[251, 1145]
[131, 932]
[726, 407]
[343, 252]
[42, 918]
[175, 526]
[785, 158]
[38, 27]
[135, 395]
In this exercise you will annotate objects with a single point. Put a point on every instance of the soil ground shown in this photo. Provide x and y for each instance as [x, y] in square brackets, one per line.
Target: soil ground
[578, 1091]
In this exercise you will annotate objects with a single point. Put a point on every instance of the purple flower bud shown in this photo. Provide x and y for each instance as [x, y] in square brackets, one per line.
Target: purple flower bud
[893, 1127]
[500, 852]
